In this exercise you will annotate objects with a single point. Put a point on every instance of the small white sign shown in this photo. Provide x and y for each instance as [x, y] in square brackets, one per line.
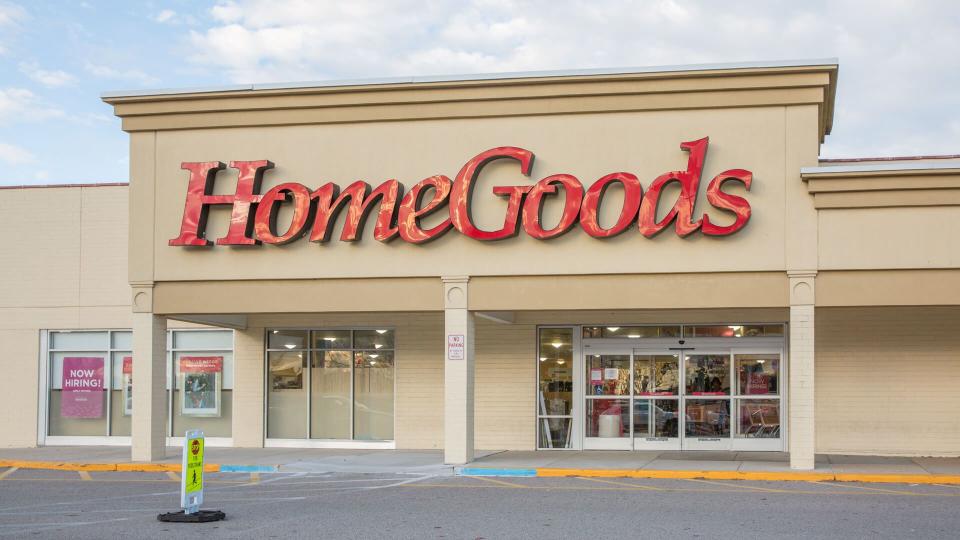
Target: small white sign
[456, 347]
[611, 373]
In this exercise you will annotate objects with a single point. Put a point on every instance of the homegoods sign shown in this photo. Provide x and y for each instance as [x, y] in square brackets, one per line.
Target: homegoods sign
[314, 212]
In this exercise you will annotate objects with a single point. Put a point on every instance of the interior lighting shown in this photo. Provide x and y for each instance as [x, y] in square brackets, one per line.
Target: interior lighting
[381, 331]
[377, 345]
[289, 345]
[613, 328]
[633, 336]
[329, 338]
[557, 344]
[374, 356]
[543, 358]
[561, 362]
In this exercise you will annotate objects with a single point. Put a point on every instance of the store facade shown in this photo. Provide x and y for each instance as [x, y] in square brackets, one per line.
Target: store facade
[629, 260]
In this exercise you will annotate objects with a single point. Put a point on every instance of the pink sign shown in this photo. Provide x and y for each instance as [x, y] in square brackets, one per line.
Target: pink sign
[82, 387]
[201, 364]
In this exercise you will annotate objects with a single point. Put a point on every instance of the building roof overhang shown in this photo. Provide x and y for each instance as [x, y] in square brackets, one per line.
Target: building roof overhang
[752, 84]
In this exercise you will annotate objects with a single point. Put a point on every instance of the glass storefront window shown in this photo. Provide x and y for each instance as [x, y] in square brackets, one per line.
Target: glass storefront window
[655, 418]
[555, 387]
[373, 339]
[556, 371]
[347, 392]
[330, 380]
[332, 339]
[373, 396]
[287, 399]
[656, 375]
[608, 418]
[103, 360]
[707, 374]
[203, 382]
[708, 418]
[759, 418]
[631, 332]
[734, 330]
[757, 374]
[608, 374]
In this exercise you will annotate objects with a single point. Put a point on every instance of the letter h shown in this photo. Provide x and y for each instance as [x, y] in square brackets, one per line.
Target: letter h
[199, 199]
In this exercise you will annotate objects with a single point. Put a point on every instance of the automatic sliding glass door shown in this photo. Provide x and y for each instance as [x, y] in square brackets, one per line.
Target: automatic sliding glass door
[607, 414]
[656, 401]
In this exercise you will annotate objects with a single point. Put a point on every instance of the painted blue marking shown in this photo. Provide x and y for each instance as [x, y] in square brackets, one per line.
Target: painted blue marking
[468, 471]
[248, 468]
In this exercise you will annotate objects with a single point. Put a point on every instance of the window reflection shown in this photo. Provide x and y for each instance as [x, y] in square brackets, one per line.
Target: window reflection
[757, 374]
[555, 387]
[608, 374]
[707, 374]
[708, 418]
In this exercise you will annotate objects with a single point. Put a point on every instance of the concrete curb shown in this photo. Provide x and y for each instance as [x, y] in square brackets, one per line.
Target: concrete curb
[130, 467]
[771, 476]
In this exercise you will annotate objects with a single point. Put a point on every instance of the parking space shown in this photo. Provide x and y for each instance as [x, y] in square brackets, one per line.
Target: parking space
[61, 504]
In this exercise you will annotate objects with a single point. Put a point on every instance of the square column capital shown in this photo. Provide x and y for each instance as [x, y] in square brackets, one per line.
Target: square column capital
[455, 289]
[802, 287]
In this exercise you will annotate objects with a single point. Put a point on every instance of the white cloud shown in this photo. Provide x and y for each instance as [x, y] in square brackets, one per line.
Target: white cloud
[898, 74]
[15, 155]
[132, 75]
[48, 78]
[22, 105]
[166, 15]
[11, 14]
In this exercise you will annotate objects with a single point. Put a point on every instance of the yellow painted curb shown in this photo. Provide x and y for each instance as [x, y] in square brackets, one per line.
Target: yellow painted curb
[771, 476]
[101, 467]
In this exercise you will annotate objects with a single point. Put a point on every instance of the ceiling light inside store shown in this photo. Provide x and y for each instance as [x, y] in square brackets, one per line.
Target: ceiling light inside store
[374, 356]
[557, 344]
[761, 361]
[377, 345]
[613, 328]
[561, 362]
[276, 331]
[373, 362]
[633, 336]
[329, 338]
[289, 345]
[381, 331]
[543, 358]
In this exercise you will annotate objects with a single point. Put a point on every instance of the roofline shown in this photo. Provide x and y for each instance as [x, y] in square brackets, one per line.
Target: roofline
[81, 185]
[882, 167]
[889, 158]
[474, 77]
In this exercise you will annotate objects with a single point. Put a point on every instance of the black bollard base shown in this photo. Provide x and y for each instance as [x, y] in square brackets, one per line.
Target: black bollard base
[202, 516]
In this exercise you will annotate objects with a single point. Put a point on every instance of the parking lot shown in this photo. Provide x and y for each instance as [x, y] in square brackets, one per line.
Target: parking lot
[65, 504]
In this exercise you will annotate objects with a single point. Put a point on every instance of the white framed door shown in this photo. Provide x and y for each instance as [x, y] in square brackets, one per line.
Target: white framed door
[607, 411]
[657, 422]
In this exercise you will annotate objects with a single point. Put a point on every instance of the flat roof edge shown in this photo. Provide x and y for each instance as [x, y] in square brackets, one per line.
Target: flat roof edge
[475, 77]
[882, 167]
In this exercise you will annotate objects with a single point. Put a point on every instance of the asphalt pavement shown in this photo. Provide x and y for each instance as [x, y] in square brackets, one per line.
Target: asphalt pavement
[66, 504]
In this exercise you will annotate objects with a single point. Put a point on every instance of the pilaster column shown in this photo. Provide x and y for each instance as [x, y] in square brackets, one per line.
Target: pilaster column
[248, 385]
[149, 420]
[457, 372]
[802, 359]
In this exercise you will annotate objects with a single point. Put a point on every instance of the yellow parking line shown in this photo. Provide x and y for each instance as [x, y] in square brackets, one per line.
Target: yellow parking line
[865, 488]
[637, 486]
[740, 486]
[8, 472]
[84, 475]
[496, 481]
[254, 478]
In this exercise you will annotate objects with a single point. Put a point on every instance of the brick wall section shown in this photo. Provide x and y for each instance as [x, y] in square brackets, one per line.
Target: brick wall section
[506, 379]
[888, 380]
[248, 387]
[800, 401]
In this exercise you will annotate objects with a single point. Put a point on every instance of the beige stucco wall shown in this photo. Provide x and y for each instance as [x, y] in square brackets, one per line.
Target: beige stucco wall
[64, 267]
[887, 379]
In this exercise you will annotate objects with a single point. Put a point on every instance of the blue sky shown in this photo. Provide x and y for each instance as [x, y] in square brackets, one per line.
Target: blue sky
[899, 66]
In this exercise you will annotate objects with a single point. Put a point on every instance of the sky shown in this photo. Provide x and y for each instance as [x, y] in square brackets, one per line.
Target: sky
[897, 95]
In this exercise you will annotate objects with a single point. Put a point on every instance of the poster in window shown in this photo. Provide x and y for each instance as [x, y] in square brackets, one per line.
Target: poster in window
[82, 387]
[127, 385]
[200, 381]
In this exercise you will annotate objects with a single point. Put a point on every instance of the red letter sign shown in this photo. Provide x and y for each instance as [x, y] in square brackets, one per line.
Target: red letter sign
[682, 210]
[463, 189]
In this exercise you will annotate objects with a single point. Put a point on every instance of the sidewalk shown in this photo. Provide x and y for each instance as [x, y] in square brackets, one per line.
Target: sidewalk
[711, 465]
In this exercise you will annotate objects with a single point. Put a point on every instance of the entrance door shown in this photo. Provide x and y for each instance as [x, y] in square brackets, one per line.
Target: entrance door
[608, 415]
[656, 400]
[706, 396]
[706, 401]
